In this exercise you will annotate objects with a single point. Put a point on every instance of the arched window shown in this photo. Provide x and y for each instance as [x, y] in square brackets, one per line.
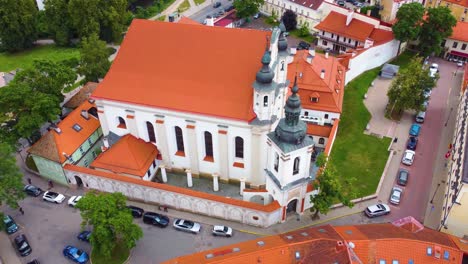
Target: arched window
[276, 161]
[239, 147]
[150, 129]
[265, 100]
[306, 113]
[321, 141]
[296, 165]
[208, 144]
[179, 139]
[122, 123]
[326, 116]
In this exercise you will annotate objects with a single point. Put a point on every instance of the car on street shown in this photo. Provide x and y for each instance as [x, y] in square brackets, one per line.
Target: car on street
[412, 143]
[420, 117]
[74, 200]
[10, 224]
[427, 94]
[403, 176]
[415, 129]
[22, 245]
[460, 64]
[425, 104]
[137, 212]
[256, 16]
[395, 195]
[187, 226]
[220, 230]
[303, 45]
[408, 157]
[358, 4]
[217, 4]
[75, 254]
[433, 70]
[32, 190]
[377, 210]
[340, 3]
[34, 261]
[84, 236]
[155, 219]
[53, 197]
[229, 8]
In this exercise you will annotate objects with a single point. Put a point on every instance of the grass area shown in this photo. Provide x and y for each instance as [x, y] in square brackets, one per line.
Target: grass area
[162, 18]
[30, 163]
[404, 59]
[184, 6]
[151, 11]
[119, 256]
[9, 62]
[355, 154]
[270, 21]
[297, 33]
[73, 87]
[199, 2]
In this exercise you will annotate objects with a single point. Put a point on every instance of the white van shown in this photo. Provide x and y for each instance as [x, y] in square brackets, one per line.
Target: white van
[420, 117]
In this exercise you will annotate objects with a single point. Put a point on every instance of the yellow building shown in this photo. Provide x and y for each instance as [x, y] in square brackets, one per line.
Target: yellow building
[459, 8]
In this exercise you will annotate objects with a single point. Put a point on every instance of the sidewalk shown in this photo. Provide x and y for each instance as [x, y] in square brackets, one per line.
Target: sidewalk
[7, 252]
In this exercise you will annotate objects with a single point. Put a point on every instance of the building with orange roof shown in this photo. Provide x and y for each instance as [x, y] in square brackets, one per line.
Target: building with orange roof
[74, 140]
[401, 242]
[456, 45]
[459, 8]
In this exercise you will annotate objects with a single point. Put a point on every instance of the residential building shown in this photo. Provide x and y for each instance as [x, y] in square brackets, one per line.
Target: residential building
[455, 205]
[74, 140]
[456, 45]
[390, 8]
[459, 8]
[402, 241]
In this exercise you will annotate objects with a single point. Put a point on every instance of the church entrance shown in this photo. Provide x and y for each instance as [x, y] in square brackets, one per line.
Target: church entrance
[79, 182]
[292, 206]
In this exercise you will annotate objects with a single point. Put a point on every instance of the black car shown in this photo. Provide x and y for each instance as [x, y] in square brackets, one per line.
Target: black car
[22, 245]
[137, 212]
[32, 190]
[229, 8]
[84, 236]
[155, 219]
[403, 176]
[341, 3]
[217, 4]
[303, 45]
[34, 261]
[412, 143]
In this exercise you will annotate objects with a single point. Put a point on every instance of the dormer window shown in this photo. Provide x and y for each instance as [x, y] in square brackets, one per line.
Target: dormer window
[77, 127]
[314, 99]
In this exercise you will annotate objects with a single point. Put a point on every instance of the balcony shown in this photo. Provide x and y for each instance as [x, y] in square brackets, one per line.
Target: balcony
[342, 43]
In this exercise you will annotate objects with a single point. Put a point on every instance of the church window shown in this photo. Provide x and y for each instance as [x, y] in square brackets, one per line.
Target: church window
[321, 141]
[179, 139]
[150, 129]
[208, 144]
[239, 147]
[276, 162]
[265, 100]
[122, 123]
[296, 166]
[306, 113]
[326, 116]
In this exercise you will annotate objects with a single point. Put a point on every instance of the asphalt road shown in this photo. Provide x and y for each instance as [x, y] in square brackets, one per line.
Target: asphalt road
[209, 10]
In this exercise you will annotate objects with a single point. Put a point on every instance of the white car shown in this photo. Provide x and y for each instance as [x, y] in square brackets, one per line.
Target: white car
[53, 197]
[187, 226]
[395, 195]
[433, 69]
[73, 200]
[460, 64]
[408, 157]
[219, 230]
[377, 210]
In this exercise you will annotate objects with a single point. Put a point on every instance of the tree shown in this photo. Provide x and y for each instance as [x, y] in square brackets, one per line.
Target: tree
[113, 20]
[18, 24]
[58, 21]
[304, 30]
[112, 222]
[330, 188]
[409, 19]
[408, 88]
[94, 62]
[435, 29]
[84, 16]
[247, 8]
[289, 20]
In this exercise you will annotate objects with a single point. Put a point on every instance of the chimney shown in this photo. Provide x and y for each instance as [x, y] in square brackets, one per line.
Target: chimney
[105, 140]
[339, 246]
[312, 52]
[58, 130]
[322, 74]
[349, 17]
[210, 21]
[309, 59]
[84, 114]
[91, 101]
[326, 55]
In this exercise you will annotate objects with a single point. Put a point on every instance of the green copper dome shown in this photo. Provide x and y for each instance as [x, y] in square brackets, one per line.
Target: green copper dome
[265, 75]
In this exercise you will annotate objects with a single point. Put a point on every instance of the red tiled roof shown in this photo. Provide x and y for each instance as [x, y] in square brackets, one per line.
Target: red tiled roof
[458, 2]
[186, 20]
[336, 23]
[460, 31]
[311, 84]
[188, 68]
[129, 155]
[332, 136]
[318, 130]
[313, 4]
[381, 36]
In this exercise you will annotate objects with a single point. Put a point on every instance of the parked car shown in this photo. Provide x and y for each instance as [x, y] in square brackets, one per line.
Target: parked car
[341, 3]
[403, 176]
[427, 94]
[217, 4]
[187, 226]
[412, 143]
[420, 117]
[395, 195]
[53, 197]
[229, 8]
[10, 224]
[460, 64]
[303, 45]
[84, 236]
[22, 245]
[358, 4]
[377, 210]
[256, 16]
[425, 104]
[74, 200]
[75, 254]
[32, 190]
[137, 212]
[155, 219]
[34, 261]
[433, 70]
[415, 130]
[408, 157]
[219, 230]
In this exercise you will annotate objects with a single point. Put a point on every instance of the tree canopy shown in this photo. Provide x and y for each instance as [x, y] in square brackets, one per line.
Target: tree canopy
[289, 20]
[112, 222]
[18, 24]
[11, 187]
[58, 20]
[409, 20]
[438, 26]
[408, 88]
[330, 187]
[94, 62]
[247, 8]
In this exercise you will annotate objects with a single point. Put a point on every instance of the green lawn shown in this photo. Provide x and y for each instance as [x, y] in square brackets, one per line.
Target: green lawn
[25, 59]
[119, 256]
[355, 154]
[199, 2]
[184, 6]
[404, 59]
[296, 33]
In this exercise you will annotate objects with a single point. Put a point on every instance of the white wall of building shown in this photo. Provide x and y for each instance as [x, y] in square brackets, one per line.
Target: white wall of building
[460, 46]
[319, 116]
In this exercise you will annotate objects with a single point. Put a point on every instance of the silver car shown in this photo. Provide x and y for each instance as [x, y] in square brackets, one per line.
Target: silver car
[395, 195]
[219, 230]
[187, 226]
[377, 210]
